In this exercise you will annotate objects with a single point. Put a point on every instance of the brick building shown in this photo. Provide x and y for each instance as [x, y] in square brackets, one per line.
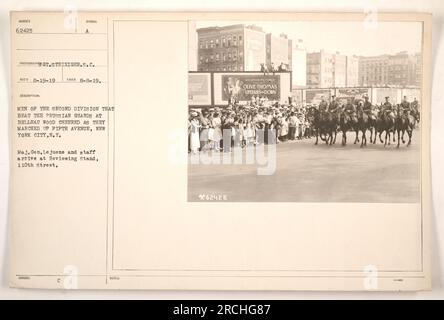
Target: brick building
[401, 69]
[231, 48]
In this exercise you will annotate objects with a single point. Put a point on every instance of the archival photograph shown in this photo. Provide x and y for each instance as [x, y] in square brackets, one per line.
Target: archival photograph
[304, 111]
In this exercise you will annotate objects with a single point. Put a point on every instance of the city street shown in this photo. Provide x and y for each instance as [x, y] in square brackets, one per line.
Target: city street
[317, 173]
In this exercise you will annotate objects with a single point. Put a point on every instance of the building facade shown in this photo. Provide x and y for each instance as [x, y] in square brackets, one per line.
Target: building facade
[401, 69]
[352, 71]
[231, 48]
[278, 51]
[320, 69]
[299, 63]
[374, 70]
[339, 70]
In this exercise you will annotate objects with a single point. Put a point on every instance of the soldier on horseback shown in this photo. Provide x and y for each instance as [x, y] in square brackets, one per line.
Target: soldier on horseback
[405, 107]
[387, 108]
[349, 108]
[334, 107]
[367, 107]
[323, 106]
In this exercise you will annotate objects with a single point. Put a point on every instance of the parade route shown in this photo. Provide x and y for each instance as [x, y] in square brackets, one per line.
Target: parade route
[306, 172]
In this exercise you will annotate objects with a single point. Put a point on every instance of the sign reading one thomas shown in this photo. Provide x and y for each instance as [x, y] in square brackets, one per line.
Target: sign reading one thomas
[244, 87]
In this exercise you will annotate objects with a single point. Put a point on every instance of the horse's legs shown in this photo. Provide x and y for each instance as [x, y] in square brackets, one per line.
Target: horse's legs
[399, 133]
[389, 136]
[386, 134]
[410, 137]
[317, 136]
[380, 139]
[362, 139]
[357, 137]
[402, 137]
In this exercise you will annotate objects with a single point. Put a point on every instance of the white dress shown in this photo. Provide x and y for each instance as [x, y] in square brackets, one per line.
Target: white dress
[217, 133]
[194, 136]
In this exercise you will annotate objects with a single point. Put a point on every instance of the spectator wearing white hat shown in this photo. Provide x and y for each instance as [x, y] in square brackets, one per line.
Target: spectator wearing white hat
[194, 135]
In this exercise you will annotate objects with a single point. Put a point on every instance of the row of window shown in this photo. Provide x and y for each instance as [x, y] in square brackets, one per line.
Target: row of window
[230, 56]
[224, 68]
[225, 41]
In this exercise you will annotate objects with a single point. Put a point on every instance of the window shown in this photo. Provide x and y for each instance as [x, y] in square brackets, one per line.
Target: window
[212, 44]
[229, 56]
[234, 56]
[217, 56]
[211, 58]
[206, 44]
[201, 44]
[229, 41]
[217, 43]
[223, 41]
[224, 57]
[234, 41]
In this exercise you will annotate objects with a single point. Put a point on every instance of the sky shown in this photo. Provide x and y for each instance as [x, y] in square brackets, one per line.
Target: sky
[350, 38]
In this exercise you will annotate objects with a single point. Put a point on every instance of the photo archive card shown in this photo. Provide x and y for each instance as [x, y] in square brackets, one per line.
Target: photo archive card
[220, 151]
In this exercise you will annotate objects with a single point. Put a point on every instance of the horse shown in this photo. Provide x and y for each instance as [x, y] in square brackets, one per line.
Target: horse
[372, 125]
[363, 125]
[405, 122]
[330, 125]
[386, 123]
[316, 123]
[416, 115]
[347, 122]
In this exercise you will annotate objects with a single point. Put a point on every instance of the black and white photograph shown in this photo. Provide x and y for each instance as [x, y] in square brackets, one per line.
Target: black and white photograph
[304, 111]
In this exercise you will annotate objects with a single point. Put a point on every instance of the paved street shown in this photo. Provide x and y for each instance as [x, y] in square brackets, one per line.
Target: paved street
[318, 173]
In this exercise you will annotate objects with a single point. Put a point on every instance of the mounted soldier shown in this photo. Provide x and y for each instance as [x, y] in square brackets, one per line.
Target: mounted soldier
[387, 108]
[405, 107]
[367, 107]
[349, 108]
[333, 108]
[323, 105]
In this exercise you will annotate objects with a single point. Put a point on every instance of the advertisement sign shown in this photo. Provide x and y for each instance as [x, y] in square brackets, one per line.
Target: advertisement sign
[356, 93]
[244, 87]
[314, 96]
[199, 89]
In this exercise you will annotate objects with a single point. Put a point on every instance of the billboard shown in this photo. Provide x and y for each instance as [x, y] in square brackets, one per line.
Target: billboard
[314, 96]
[352, 93]
[244, 87]
[199, 89]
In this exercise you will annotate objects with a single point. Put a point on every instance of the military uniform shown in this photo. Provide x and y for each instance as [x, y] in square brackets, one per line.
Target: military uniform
[323, 106]
[367, 108]
[334, 107]
[350, 108]
[387, 107]
[405, 107]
